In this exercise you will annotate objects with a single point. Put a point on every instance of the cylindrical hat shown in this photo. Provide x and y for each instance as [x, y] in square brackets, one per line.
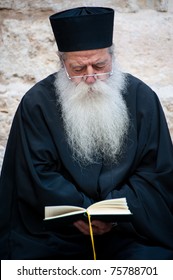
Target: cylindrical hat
[83, 28]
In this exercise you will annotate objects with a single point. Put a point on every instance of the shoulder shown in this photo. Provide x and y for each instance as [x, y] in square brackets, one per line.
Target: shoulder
[40, 100]
[42, 90]
[140, 93]
[40, 95]
[143, 103]
[134, 85]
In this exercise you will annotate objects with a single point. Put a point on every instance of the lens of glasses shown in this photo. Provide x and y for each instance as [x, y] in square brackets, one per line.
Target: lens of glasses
[100, 76]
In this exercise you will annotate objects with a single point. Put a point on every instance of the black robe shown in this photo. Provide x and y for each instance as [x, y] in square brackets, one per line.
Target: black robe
[39, 170]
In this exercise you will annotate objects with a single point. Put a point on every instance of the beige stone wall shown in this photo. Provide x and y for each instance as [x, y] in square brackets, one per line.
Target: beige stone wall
[125, 5]
[143, 38]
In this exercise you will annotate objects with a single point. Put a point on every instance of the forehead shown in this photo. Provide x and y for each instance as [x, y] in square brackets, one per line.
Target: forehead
[86, 57]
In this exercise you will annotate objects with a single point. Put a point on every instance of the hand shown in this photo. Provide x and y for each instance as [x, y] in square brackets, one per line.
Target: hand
[98, 227]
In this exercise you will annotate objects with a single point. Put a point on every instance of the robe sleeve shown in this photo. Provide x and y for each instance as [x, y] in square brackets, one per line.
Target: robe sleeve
[51, 182]
[33, 175]
[149, 187]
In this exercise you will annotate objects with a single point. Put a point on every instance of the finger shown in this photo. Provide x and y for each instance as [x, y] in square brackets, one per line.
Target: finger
[83, 227]
[102, 225]
[100, 231]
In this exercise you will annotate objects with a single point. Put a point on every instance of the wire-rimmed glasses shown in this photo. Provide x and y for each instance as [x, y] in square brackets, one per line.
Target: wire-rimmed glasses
[99, 76]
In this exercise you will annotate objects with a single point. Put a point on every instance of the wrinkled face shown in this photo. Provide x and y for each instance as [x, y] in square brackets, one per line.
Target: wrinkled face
[88, 65]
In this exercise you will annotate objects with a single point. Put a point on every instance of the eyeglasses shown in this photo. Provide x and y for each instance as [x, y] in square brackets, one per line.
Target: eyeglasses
[99, 76]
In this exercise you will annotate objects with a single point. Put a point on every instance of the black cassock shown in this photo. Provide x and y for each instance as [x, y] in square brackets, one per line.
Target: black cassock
[38, 170]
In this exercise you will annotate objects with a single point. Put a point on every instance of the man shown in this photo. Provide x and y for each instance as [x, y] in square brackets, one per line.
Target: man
[85, 134]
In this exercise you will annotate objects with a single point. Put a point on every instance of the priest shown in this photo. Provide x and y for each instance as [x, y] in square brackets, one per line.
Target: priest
[84, 134]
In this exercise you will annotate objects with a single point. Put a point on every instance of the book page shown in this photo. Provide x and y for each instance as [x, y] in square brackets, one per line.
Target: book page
[62, 210]
[110, 206]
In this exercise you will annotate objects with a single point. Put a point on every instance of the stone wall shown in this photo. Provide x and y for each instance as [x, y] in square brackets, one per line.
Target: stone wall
[121, 5]
[143, 38]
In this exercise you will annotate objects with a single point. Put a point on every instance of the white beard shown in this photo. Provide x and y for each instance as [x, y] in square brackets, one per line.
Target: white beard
[95, 117]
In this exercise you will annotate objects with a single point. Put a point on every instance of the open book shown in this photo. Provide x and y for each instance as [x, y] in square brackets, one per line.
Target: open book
[111, 210]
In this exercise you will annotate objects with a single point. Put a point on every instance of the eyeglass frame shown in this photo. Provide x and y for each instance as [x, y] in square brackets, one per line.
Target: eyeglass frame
[85, 76]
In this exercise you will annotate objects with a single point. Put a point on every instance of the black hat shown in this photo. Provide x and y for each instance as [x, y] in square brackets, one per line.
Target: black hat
[83, 28]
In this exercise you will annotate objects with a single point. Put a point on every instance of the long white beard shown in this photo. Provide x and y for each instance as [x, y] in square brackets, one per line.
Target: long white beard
[95, 117]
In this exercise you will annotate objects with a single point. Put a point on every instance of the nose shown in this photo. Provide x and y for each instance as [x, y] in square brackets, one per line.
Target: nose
[90, 79]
